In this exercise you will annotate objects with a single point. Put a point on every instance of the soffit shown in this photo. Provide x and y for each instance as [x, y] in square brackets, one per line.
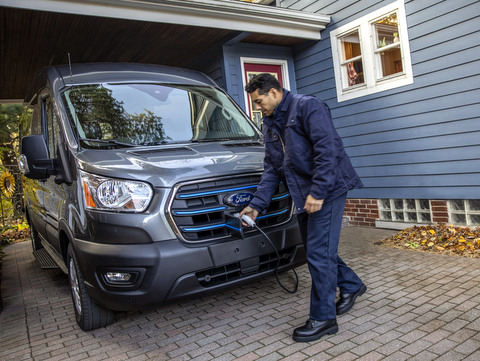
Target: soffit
[33, 38]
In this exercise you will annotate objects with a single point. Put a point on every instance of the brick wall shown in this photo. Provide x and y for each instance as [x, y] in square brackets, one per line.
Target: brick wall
[364, 212]
[439, 211]
[361, 212]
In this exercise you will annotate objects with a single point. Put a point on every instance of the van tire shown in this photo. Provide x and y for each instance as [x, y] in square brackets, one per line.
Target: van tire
[88, 314]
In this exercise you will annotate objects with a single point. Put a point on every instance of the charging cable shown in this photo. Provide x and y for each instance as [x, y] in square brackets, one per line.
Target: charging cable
[252, 223]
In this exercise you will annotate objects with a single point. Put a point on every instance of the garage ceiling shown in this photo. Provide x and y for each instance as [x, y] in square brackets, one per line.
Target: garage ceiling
[31, 39]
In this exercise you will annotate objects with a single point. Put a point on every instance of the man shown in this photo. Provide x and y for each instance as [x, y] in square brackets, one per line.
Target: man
[303, 149]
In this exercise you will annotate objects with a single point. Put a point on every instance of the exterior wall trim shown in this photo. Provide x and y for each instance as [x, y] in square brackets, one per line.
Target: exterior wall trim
[221, 14]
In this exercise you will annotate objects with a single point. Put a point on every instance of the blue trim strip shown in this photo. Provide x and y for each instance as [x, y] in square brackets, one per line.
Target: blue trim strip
[281, 197]
[232, 227]
[183, 196]
[207, 228]
[273, 214]
[200, 211]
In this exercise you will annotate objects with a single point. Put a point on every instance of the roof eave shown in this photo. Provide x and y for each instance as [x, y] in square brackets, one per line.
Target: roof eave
[221, 14]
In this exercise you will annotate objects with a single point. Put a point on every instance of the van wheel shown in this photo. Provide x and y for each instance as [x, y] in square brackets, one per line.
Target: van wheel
[88, 314]
[36, 242]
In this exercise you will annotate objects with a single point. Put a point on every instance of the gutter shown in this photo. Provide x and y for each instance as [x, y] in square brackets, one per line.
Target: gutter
[221, 14]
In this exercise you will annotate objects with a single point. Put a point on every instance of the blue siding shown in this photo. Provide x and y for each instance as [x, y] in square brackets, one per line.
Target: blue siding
[417, 141]
[211, 65]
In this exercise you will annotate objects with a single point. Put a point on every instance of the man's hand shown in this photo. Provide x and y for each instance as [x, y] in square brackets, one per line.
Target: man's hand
[312, 204]
[249, 211]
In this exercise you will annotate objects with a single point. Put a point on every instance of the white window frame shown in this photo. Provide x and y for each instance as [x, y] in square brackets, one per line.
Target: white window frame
[373, 83]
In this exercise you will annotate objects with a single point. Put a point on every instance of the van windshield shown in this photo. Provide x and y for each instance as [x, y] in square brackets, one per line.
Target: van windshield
[106, 115]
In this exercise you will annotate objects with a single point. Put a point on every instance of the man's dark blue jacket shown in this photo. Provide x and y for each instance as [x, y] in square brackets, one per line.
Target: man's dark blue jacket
[303, 148]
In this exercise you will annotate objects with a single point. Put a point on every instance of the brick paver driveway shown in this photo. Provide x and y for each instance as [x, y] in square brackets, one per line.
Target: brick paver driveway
[418, 307]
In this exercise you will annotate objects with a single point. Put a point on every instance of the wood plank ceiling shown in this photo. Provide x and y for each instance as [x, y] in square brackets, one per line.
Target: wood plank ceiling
[32, 39]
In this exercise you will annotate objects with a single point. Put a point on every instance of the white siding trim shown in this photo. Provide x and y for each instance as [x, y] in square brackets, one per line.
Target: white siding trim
[221, 14]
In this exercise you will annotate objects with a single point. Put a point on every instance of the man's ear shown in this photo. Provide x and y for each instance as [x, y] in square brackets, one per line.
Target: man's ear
[274, 92]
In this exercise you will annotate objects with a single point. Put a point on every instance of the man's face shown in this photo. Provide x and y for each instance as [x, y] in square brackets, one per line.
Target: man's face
[267, 102]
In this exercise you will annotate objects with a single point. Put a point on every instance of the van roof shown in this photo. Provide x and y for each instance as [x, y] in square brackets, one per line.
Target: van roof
[94, 73]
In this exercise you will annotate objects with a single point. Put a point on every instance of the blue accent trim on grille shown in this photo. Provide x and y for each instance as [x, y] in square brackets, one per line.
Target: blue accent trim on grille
[200, 194]
[232, 227]
[200, 211]
[207, 228]
[273, 214]
[281, 197]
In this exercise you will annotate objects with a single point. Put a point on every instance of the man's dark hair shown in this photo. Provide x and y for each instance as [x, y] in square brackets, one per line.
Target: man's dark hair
[263, 82]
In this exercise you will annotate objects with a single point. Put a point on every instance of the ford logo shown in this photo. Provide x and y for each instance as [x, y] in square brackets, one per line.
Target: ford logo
[238, 199]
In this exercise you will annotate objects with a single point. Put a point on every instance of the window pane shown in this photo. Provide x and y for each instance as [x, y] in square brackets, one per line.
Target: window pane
[384, 203]
[456, 205]
[385, 216]
[386, 31]
[351, 46]
[423, 204]
[391, 62]
[410, 204]
[411, 216]
[353, 70]
[474, 205]
[458, 218]
[424, 217]
[398, 204]
[475, 220]
[398, 216]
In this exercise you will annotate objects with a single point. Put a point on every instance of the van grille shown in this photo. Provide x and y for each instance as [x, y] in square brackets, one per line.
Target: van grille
[197, 209]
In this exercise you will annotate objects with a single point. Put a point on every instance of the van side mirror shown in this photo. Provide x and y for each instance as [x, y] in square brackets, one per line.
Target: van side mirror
[34, 161]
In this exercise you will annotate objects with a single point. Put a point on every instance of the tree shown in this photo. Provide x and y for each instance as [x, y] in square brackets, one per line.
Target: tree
[9, 118]
[10, 115]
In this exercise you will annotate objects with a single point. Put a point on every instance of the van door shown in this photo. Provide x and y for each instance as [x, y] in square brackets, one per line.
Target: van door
[31, 124]
[53, 193]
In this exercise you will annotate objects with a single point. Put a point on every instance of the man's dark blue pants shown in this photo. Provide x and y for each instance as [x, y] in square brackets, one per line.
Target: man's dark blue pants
[321, 234]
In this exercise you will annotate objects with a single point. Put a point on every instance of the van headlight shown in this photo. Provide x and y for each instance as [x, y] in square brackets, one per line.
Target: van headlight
[111, 194]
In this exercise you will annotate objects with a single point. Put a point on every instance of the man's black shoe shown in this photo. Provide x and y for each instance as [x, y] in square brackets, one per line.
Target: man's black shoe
[346, 301]
[313, 330]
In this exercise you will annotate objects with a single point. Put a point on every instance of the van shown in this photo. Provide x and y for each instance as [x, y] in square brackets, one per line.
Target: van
[130, 175]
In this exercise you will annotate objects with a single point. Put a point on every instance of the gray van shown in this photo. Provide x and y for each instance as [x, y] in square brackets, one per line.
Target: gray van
[130, 174]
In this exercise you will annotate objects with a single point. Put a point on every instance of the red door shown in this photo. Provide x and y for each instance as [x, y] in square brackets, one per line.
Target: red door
[252, 69]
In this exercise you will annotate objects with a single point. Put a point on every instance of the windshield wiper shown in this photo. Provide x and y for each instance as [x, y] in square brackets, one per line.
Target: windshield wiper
[231, 140]
[108, 141]
[207, 140]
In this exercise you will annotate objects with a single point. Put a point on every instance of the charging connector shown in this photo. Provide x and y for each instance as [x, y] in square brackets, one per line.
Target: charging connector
[246, 219]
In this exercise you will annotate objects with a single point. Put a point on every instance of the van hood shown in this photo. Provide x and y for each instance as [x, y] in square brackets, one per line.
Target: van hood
[167, 165]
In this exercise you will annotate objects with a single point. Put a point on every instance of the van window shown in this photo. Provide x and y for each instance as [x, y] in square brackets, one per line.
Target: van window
[51, 126]
[152, 114]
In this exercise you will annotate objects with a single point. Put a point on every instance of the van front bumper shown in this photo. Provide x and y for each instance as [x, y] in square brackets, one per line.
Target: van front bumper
[167, 270]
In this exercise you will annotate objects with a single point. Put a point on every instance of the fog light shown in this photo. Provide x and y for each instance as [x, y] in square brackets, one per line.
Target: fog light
[128, 278]
[119, 277]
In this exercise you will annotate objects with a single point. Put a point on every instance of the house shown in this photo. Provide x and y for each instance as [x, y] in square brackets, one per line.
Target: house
[400, 76]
